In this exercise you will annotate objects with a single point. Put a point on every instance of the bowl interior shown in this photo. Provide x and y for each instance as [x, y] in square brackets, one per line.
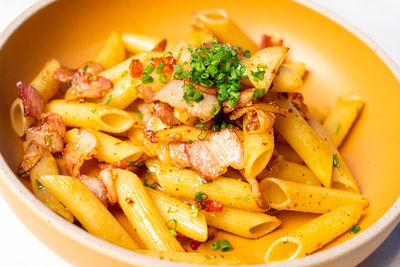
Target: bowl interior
[338, 63]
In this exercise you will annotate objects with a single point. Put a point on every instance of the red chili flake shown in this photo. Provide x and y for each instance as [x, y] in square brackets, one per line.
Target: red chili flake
[168, 62]
[194, 245]
[212, 206]
[136, 68]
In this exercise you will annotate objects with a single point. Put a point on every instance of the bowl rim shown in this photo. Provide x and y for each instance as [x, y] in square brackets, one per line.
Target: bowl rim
[387, 221]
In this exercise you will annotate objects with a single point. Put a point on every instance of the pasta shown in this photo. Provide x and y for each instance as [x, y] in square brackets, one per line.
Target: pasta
[188, 149]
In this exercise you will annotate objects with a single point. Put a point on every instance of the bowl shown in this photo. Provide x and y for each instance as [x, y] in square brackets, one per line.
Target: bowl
[340, 60]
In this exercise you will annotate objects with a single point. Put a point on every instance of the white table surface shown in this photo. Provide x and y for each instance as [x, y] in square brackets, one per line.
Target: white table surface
[379, 19]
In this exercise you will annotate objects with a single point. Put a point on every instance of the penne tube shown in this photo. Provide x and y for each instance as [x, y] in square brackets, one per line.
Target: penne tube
[243, 223]
[189, 224]
[341, 118]
[307, 144]
[183, 183]
[285, 195]
[225, 29]
[118, 71]
[258, 149]
[314, 234]
[299, 67]
[136, 136]
[91, 115]
[288, 153]
[341, 175]
[319, 114]
[142, 213]
[123, 93]
[87, 209]
[48, 166]
[286, 80]
[183, 133]
[46, 85]
[184, 117]
[113, 51]
[294, 172]
[192, 257]
[110, 149]
[198, 36]
[137, 43]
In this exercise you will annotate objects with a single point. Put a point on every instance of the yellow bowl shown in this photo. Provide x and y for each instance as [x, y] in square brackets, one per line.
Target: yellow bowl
[340, 60]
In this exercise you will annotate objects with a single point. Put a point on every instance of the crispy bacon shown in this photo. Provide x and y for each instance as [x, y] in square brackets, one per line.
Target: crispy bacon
[64, 75]
[259, 121]
[86, 85]
[172, 94]
[245, 99]
[177, 154]
[146, 93]
[212, 157]
[96, 186]
[267, 41]
[165, 113]
[108, 176]
[33, 154]
[275, 162]
[269, 106]
[31, 98]
[75, 154]
[48, 132]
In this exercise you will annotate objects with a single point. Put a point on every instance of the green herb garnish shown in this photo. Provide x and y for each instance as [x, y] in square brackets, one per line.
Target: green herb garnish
[260, 73]
[163, 78]
[191, 94]
[215, 109]
[335, 161]
[355, 229]
[160, 68]
[47, 140]
[85, 68]
[258, 93]
[140, 115]
[149, 69]
[147, 79]
[39, 184]
[338, 129]
[106, 100]
[214, 245]
[124, 73]
[224, 245]
[172, 230]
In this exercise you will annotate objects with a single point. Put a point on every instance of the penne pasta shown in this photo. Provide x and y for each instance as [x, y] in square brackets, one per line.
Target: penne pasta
[225, 29]
[178, 133]
[243, 223]
[307, 144]
[113, 51]
[341, 117]
[184, 117]
[294, 172]
[91, 115]
[258, 149]
[123, 93]
[189, 224]
[184, 183]
[137, 43]
[299, 67]
[341, 175]
[111, 149]
[286, 80]
[285, 195]
[48, 166]
[136, 136]
[141, 212]
[288, 153]
[192, 257]
[314, 234]
[87, 209]
[46, 85]
[118, 71]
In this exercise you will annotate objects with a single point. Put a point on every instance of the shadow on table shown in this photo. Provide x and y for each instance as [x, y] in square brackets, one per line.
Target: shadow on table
[388, 254]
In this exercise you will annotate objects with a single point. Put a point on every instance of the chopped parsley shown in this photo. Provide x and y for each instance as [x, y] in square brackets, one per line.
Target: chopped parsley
[215, 64]
[335, 161]
[106, 100]
[216, 127]
[47, 140]
[152, 186]
[140, 115]
[258, 93]
[146, 79]
[215, 109]
[172, 230]
[338, 129]
[260, 73]
[191, 94]
[85, 68]
[200, 196]
[355, 229]
[70, 83]
[247, 198]
[39, 184]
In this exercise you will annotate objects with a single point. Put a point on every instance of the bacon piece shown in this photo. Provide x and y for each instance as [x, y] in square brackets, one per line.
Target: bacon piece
[165, 113]
[146, 93]
[267, 41]
[64, 75]
[108, 176]
[275, 162]
[177, 154]
[96, 186]
[49, 132]
[245, 99]
[172, 94]
[31, 98]
[75, 154]
[86, 85]
[33, 154]
[211, 158]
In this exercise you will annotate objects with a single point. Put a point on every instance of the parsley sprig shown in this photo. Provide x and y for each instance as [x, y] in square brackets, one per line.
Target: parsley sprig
[216, 64]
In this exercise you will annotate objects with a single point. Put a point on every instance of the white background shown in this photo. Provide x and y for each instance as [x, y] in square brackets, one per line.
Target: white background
[379, 19]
